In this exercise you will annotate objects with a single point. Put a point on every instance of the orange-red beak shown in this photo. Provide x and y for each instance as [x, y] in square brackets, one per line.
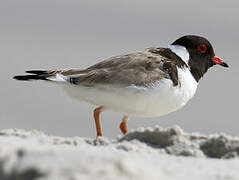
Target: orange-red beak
[219, 61]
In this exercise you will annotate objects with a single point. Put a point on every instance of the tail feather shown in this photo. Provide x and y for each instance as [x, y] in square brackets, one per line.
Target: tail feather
[34, 75]
[53, 75]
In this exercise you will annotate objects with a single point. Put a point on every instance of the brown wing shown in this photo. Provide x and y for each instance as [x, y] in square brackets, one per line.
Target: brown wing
[141, 69]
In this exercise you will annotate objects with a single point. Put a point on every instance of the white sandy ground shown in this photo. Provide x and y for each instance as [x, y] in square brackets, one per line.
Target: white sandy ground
[144, 154]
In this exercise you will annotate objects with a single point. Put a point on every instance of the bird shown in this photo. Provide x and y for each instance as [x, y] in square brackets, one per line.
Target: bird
[149, 83]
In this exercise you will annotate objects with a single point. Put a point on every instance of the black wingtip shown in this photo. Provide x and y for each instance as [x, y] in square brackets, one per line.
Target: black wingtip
[20, 78]
[28, 77]
[37, 72]
[32, 75]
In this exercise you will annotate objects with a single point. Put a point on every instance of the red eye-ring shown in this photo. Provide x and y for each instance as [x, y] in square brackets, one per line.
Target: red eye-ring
[202, 48]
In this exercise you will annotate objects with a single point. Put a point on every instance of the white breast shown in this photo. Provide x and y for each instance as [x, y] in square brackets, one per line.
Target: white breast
[159, 99]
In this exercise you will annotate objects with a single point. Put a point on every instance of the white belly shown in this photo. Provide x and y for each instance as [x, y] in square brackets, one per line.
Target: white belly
[159, 99]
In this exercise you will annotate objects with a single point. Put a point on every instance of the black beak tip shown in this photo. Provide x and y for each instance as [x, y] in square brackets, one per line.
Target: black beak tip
[224, 64]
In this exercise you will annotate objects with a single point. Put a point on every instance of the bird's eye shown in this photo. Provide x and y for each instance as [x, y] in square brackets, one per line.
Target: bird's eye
[202, 48]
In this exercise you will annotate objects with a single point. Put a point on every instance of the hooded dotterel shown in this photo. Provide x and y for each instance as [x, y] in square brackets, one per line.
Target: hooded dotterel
[148, 83]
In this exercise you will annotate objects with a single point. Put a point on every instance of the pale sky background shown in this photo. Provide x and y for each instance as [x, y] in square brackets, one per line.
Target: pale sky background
[50, 34]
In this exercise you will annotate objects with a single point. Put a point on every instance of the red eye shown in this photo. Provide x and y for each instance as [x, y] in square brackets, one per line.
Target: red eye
[202, 48]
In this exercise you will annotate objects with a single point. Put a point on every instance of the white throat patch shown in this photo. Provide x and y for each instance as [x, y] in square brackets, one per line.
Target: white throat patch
[181, 51]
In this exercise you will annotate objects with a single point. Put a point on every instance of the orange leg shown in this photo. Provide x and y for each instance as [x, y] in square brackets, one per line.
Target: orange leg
[123, 125]
[97, 112]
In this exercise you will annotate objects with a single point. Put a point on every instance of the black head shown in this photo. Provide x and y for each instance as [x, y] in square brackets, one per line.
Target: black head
[201, 54]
